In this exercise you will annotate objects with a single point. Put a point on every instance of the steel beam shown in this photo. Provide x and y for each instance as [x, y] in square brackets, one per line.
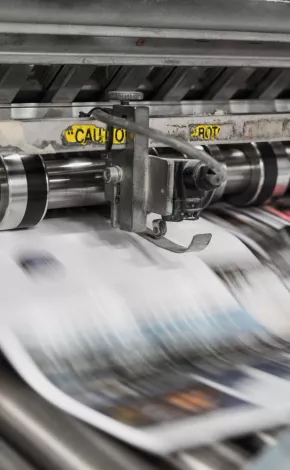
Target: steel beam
[273, 85]
[12, 78]
[130, 51]
[224, 19]
[178, 84]
[67, 83]
[228, 83]
[156, 108]
[74, 134]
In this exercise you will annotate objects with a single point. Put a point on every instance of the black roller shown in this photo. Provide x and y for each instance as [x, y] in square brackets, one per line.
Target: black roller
[37, 190]
[270, 172]
[250, 193]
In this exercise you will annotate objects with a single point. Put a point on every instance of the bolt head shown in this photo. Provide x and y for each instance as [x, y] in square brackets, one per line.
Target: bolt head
[112, 174]
[107, 175]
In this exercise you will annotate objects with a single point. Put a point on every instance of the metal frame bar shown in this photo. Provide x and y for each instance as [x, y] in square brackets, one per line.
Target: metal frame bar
[12, 78]
[50, 135]
[228, 83]
[156, 108]
[132, 31]
[68, 82]
[151, 51]
[178, 84]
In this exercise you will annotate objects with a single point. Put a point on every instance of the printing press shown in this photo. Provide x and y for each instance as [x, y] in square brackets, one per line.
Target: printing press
[149, 114]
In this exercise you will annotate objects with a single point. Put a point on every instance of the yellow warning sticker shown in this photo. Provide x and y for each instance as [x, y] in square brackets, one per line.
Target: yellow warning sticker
[205, 132]
[89, 134]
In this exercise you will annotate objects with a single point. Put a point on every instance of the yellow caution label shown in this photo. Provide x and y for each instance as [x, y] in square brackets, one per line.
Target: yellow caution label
[89, 134]
[205, 132]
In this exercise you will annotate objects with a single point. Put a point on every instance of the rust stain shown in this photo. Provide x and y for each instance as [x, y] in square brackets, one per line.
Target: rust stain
[141, 42]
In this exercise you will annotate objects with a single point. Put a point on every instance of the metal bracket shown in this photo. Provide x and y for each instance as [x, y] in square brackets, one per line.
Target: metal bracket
[129, 201]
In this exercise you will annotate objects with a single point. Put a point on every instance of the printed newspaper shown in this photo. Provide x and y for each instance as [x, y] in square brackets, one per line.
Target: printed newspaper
[161, 350]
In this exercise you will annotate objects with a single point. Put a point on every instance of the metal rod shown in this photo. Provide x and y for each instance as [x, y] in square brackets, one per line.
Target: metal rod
[74, 180]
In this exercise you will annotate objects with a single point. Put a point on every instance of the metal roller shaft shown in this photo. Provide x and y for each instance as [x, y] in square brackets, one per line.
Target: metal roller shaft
[255, 173]
[74, 180]
[77, 180]
[10, 460]
[31, 184]
[52, 439]
[238, 170]
[217, 457]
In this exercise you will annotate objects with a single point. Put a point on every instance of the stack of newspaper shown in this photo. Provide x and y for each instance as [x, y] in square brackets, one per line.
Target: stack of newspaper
[163, 351]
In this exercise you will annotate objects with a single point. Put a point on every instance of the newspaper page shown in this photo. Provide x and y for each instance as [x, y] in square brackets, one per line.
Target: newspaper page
[142, 343]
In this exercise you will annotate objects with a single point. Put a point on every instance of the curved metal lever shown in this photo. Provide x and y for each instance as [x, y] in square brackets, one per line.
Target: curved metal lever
[198, 243]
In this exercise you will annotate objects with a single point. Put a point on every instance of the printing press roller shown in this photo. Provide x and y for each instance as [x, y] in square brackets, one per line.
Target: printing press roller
[11, 460]
[214, 75]
[33, 184]
[47, 438]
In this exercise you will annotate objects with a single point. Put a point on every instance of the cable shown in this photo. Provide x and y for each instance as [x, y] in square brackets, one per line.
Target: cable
[170, 140]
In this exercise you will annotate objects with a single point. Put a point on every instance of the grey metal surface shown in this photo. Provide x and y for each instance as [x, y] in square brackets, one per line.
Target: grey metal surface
[54, 440]
[179, 83]
[252, 190]
[13, 190]
[46, 136]
[238, 170]
[48, 50]
[74, 180]
[161, 177]
[128, 79]
[11, 460]
[61, 81]
[11, 81]
[273, 85]
[228, 15]
[283, 164]
[218, 457]
[131, 201]
[156, 108]
[228, 83]
[67, 83]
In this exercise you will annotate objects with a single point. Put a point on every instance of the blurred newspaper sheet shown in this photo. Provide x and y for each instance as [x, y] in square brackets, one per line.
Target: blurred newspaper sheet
[162, 350]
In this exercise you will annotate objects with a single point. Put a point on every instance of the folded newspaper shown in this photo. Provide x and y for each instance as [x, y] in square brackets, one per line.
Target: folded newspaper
[163, 351]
